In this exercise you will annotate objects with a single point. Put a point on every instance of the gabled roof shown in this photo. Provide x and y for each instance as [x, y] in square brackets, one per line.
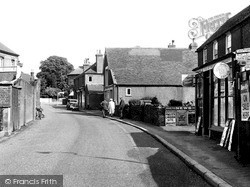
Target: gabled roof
[228, 25]
[4, 49]
[150, 66]
[25, 76]
[91, 69]
[77, 71]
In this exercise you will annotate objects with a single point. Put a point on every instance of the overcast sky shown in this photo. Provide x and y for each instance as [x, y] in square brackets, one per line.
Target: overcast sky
[76, 29]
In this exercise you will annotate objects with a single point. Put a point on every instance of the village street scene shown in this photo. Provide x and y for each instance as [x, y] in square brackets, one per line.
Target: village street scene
[112, 110]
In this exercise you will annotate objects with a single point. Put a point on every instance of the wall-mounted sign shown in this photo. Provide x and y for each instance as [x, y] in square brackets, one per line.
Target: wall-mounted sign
[221, 70]
[170, 117]
[245, 106]
[201, 27]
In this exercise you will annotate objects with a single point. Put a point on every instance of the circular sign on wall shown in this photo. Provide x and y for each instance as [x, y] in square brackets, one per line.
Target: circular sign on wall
[221, 70]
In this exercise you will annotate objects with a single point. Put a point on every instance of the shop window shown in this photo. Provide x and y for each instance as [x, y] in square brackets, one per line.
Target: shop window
[223, 106]
[216, 104]
[199, 96]
[230, 112]
[128, 91]
[228, 43]
[215, 50]
[205, 55]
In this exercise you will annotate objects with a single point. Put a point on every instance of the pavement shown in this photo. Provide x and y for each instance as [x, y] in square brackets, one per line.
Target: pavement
[215, 164]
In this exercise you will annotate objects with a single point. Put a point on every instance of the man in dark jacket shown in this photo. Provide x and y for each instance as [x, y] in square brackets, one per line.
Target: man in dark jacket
[121, 107]
[104, 105]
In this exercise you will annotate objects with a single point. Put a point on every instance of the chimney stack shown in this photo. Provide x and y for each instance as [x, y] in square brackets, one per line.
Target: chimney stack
[99, 62]
[32, 78]
[171, 45]
[86, 64]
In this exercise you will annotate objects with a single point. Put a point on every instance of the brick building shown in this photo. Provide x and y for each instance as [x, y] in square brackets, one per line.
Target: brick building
[19, 93]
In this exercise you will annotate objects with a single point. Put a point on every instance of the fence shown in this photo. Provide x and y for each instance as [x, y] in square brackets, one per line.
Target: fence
[159, 115]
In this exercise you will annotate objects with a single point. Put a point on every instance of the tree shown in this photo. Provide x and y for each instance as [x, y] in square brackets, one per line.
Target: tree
[53, 74]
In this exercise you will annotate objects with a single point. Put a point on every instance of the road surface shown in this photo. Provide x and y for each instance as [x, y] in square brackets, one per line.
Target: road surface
[92, 151]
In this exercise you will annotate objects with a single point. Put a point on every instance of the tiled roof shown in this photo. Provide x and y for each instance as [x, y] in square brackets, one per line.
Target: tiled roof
[95, 87]
[228, 25]
[25, 77]
[7, 50]
[77, 71]
[7, 76]
[150, 66]
[91, 69]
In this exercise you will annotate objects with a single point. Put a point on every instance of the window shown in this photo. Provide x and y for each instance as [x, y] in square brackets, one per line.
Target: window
[215, 50]
[228, 43]
[90, 79]
[128, 91]
[12, 62]
[1, 62]
[222, 106]
[205, 55]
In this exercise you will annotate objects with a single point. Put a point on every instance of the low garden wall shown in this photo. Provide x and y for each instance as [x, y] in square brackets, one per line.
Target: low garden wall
[159, 115]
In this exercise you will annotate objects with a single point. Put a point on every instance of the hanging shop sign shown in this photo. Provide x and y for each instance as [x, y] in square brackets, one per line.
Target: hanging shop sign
[221, 70]
[201, 27]
[243, 57]
[245, 106]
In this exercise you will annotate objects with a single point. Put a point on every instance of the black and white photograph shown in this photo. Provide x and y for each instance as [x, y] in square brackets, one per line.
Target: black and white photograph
[124, 93]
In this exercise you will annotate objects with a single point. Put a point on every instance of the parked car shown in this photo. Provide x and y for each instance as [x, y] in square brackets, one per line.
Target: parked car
[70, 102]
[74, 106]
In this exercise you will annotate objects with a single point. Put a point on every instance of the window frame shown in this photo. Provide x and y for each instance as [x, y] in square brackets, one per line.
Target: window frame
[228, 44]
[128, 94]
[1, 61]
[215, 49]
[204, 55]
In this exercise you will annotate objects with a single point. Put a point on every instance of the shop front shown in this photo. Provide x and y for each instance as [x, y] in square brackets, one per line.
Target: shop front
[223, 103]
[215, 96]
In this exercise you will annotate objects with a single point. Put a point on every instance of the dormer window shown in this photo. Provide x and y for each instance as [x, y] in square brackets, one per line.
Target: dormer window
[205, 55]
[228, 43]
[215, 50]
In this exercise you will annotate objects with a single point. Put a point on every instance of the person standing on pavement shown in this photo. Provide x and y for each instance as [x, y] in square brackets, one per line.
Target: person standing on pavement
[104, 104]
[121, 107]
[111, 107]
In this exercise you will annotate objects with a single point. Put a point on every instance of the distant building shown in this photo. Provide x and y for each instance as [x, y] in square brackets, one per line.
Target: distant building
[89, 85]
[20, 93]
[134, 73]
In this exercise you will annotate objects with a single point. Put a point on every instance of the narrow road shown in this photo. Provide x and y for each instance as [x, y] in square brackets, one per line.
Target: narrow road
[93, 151]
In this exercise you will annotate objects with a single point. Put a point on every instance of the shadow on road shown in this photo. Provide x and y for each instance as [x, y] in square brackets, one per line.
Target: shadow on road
[97, 157]
[166, 169]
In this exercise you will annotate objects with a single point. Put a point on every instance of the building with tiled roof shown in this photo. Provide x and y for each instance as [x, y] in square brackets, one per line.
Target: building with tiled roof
[9, 64]
[220, 100]
[134, 73]
[89, 85]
